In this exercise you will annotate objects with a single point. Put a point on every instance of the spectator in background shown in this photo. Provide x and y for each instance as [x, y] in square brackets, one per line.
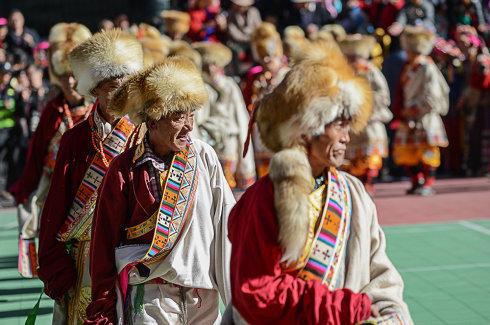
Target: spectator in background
[10, 107]
[122, 22]
[19, 36]
[3, 31]
[383, 13]
[415, 12]
[206, 21]
[243, 19]
[466, 12]
[354, 19]
[309, 15]
[106, 24]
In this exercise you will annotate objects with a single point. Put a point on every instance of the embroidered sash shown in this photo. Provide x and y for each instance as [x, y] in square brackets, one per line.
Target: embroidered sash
[178, 196]
[174, 212]
[80, 215]
[330, 239]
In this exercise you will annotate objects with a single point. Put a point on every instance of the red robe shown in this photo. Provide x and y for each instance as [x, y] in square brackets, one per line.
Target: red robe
[261, 291]
[49, 123]
[135, 205]
[76, 152]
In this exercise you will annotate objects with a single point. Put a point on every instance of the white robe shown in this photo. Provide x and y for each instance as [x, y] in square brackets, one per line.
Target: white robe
[199, 259]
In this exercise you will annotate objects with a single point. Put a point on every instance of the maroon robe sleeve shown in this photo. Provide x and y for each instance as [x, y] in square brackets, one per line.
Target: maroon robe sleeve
[109, 219]
[56, 267]
[261, 291]
[38, 147]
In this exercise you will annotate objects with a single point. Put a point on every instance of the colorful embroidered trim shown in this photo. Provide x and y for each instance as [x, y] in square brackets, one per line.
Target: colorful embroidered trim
[79, 218]
[322, 262]
[177, 196]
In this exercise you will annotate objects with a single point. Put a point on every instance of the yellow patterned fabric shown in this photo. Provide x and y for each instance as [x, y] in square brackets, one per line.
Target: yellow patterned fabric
[412, 155]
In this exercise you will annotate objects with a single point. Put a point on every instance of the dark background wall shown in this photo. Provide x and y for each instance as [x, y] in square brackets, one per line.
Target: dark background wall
[42, 14]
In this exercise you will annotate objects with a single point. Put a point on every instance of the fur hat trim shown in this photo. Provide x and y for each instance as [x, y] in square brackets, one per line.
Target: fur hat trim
[266, 41]
[106, 55]
[63, 37]
[213, 53]
[290, 173]
[417, 39]
[176, 22]
[173, 86]
[358, 45]
[313, 94]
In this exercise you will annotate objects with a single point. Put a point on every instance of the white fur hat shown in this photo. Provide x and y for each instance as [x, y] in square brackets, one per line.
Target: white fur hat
[106, 55]
[63, 37]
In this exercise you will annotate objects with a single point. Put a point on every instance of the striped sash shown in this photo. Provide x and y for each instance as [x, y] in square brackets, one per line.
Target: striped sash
[330, 240]
[176, 203]
[80, 215]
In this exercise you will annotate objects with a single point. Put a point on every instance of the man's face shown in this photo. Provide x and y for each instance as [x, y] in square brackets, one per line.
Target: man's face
[5, 77]
[17, 20]
[328, 149]
[3, 31]
[171, 132]
[67, 82]
[104, 90]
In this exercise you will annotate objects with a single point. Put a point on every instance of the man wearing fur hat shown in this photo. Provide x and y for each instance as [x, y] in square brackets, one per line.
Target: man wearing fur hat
[306, 244]
[177, 24]
[60, 114]
[99, 65]
[425, 97]
[227, 121]
[367, 149]
[159, 252]
[261, 79]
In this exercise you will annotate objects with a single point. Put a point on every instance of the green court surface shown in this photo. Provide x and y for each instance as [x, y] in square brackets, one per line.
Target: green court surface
[446, 268]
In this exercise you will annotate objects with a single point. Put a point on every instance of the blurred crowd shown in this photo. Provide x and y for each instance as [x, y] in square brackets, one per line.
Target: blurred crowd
[460, 52]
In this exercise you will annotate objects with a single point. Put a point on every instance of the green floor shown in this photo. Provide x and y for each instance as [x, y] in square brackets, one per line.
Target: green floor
[446, 268]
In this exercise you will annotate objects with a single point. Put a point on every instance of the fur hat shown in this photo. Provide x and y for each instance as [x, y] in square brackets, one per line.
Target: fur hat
[176, 22]
[337, 31]
[175, 85]
[182, 48]
[213, 53]
[313, 94]
[294, 41]
[266, 41]
[63, 37]
[417, 39]
[106, 55]
[358, 45]
[155, 50]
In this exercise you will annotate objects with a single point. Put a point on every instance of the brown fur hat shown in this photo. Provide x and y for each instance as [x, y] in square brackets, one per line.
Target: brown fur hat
[175, 85]
[337, 31]
[106, 55]
[63, 37]
[313, 94]
[155, 50]
[358, 45]
[176, 22]
[417, 39]
[213, 53]
[266, 41]
[182, 48]
[294, 42]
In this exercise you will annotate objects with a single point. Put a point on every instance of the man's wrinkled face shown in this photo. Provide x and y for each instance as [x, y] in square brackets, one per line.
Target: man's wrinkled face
[328, 149]
[171, 132]
[104, 90]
